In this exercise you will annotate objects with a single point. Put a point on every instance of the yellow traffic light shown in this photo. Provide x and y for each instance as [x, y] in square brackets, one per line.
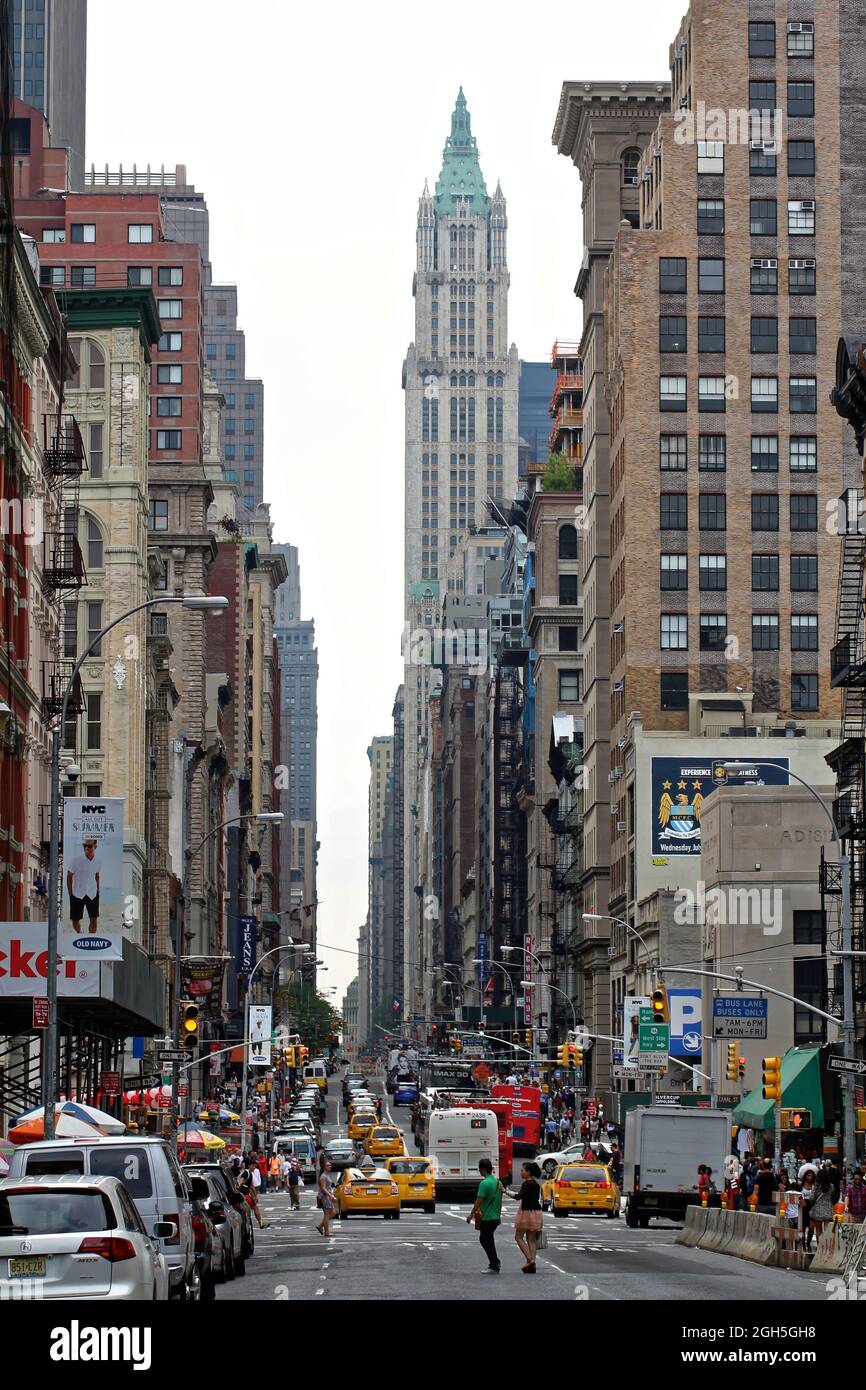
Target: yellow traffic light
[660, 1004]
[527, 1037]
[731, 1071]
[515, 1037]
[189, 1025]
[564, 1055]
[576, 1055]
[772, 1078]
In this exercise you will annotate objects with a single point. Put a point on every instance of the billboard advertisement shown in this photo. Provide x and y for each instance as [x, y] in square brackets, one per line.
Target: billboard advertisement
[246, 952]
[202, 980]
[631, 1007]
[24, 965]
[482, 969]
[91, 922]
[259, 1040]
[680, 786]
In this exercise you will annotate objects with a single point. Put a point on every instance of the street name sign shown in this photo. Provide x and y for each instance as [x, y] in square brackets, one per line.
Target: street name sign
[739, 1016]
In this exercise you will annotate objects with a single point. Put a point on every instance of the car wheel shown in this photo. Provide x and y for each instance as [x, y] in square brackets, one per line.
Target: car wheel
[221, 1275]
[343, 1215]
[395, 1216]
[558, 1213]
[192, 1290]
[643, 1222]
[431, 1207]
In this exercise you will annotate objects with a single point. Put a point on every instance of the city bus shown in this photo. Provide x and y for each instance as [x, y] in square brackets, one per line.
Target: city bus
[432, 1104]
[456, 1141]
[525, 1104]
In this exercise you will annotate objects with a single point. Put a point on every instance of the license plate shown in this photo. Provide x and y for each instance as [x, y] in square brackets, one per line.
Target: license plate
[651, 1201]
[372, 1191]
[27, 1267]
[417, 1184]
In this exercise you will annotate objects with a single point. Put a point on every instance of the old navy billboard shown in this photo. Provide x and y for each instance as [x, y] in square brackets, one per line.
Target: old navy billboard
[680, 787]
[92, 920]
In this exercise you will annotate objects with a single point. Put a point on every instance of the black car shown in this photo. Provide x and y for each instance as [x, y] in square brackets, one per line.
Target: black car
[227, 1184]
[209, 1253]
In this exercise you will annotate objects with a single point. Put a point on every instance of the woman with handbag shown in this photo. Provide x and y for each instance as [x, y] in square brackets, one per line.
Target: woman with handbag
[529, 1221]
[325, 1199]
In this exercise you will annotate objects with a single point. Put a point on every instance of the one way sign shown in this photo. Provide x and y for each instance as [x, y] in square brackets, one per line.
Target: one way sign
[854, 1065]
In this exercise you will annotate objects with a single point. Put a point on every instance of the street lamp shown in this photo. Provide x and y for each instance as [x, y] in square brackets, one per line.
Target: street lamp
[207, 602]
[528, 984]
[496, 965]
[606, 917]
[848, 1033]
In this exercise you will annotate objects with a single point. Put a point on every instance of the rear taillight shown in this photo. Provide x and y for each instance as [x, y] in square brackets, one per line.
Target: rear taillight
[111, 1248]
[174, 1222]
[199, 1226]
[348, 1187]
[394, 1188]
[560, 1183]
[602, 1184]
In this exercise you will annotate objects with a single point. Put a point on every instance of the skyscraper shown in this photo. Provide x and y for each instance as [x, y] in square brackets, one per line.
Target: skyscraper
[242, 420]
[460, 379]
[48, 40]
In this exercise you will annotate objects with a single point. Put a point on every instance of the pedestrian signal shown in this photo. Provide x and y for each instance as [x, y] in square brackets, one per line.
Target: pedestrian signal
[189, 1025]
[796, 1119]
[772, 1078]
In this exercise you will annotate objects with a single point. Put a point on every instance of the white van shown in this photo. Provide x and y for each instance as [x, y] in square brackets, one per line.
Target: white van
[455, 1141]
[299, 1146]
[148, 1169]
[316, 1072]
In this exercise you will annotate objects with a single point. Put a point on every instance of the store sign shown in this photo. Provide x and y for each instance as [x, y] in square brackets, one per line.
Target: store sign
[246, 952]
[24, 965]
[202, 980]
[91, 925]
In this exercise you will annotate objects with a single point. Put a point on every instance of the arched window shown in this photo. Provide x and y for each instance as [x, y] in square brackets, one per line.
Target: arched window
[471, 378]
[491, 379]
[454, 379]
[463, 381]
[93, 538]
[91, 365]
[567, 543]
[630, 165]
[500, 380]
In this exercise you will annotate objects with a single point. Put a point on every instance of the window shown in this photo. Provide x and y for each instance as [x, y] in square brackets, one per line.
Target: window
[711, 334]
[170, 342]
[762, 96]
[713, 571]
[569, 686]
[249, 475]
[672, 393]
[802, 275]
[801, 159]
[804, 692]
[810, 986]
[712, 511]
[211, 351]
[52, 275]
[765, 511]
[82, 231]
[568, 590]
[94, 545]
[94, 450]
[804, 573]
[94, 720]
[764, 277]
[803, 453]
[765, 632]
[762, 162]
[765, 334]
[801, 40]
[70, 629]
[801, 98]
[94, 627]
[711, 393]
[168, 439]
[630, 164]
[674, 632]
[674, 511]
[712, 453]
[711, 216]
[762, 40]
[804, 511]
[762, 216]
[170, 275]
[804, 632]
[250, 453]
[568, 543]
[673, 452]
[168, 405]
[765, 573]
[711, 157]
[672, 333]
[568, 639]
[674, 690]
[82, 276]
[801, 218]
[713, 631]
[803, 395]
[803, 335]
[139, 275]
[765, 395]
[167, 374]
[674, 572]
[672, 275]
[137, 233]
[231, 350]
[54, 236]
[170, 308]
[765, 453]
[249, 425]
[711, 275]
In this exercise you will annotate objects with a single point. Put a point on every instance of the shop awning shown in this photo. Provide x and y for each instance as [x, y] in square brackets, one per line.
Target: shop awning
[801, 1090]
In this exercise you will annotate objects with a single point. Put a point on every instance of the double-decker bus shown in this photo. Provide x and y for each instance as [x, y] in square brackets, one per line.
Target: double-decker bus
[525, 1104]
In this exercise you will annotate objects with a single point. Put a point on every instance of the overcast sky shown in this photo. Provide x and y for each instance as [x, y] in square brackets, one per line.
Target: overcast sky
[311, 131]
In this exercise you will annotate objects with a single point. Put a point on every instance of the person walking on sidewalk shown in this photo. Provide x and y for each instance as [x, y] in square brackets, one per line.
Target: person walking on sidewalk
[529, 1220]
[487, 1212]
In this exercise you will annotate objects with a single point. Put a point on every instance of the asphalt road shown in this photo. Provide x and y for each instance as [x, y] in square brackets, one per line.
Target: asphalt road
[437, 1256]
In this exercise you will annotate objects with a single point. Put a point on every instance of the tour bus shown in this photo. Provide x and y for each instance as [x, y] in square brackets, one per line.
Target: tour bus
[525, 1114]
[456, 1141]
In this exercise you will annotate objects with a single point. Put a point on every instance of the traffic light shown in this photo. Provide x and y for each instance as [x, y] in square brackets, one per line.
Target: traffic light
[527, 1037]
[741, 1069]
[660, 1004]
[189, 1025]
[515, 1037]
[576, 1055]
[732, 1071]
[305, 1052]
[564, 1055]
[772, 1078]
[289, 1054]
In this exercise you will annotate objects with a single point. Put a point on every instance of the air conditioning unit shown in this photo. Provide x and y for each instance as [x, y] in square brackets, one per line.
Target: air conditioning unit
[765, 265]
[611, 777]
[807, 205]
[684, 102]
[808, 264]
[621, 827]
[618, 627]
[611, 951]
[646, 177]
[618, 687]
[617, 773]
[801, 27]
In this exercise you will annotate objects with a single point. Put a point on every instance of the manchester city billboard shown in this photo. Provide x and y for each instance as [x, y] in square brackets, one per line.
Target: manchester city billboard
[680, 787]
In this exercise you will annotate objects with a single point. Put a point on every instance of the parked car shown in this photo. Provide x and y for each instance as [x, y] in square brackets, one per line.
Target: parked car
[228, 1223]
[148, 1169]
[77, 1237]
[226, 1191]
[209, 1253]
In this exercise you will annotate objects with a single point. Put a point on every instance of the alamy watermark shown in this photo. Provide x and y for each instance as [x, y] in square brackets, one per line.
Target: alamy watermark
[730, 907]
[710, 125]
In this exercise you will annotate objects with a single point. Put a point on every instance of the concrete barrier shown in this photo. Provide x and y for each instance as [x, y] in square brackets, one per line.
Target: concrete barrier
[694, 1226]
[744, 1234]
[756, 1242]
[832, 1248]
[717, 1232]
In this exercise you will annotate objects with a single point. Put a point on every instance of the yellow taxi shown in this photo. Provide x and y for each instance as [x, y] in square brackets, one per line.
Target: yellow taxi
[384, 1140]
[415, 1181]
[368, 1192]
[361, 1122]
[581, 1187]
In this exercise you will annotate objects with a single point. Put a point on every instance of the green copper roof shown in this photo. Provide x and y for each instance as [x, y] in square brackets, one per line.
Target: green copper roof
[461, 175]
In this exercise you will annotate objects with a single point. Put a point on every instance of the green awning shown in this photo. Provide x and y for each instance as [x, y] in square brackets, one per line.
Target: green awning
[801, 1090]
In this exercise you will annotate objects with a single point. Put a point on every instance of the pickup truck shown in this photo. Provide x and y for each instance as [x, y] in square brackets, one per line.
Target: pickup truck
[664, 1147]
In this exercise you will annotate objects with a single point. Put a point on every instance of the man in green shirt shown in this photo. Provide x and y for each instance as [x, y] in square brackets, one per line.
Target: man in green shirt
[486, 1212]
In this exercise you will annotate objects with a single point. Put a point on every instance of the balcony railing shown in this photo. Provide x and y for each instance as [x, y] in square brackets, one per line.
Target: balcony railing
[62, 447]
[62, 562]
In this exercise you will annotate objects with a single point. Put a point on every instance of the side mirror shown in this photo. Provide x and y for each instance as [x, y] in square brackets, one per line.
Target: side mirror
[198, 1189]
[217, 1212]
[163, 1230]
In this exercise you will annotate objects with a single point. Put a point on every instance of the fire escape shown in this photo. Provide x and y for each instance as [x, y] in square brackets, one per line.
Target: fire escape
[62, 562]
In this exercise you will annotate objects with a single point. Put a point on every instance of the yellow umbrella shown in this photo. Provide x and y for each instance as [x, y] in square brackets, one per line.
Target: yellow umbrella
[191, 1137]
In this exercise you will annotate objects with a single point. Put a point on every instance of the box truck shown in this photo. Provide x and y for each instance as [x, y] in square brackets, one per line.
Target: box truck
[664, 1147]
